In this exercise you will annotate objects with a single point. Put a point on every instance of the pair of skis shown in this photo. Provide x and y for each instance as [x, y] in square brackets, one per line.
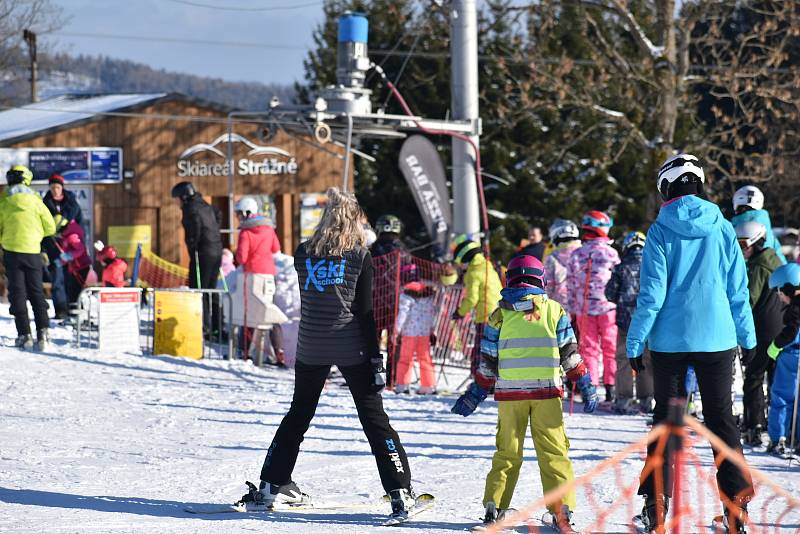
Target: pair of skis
[422, 503]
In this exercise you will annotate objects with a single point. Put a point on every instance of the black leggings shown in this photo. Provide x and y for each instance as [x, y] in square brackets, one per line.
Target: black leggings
[755, 402]
[384, 442]
[714, 372]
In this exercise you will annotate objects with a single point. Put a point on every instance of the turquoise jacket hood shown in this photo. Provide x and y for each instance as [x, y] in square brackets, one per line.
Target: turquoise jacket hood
[693, 284]
[761, 216]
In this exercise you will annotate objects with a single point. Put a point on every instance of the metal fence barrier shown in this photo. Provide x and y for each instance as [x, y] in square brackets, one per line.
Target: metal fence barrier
[217, 343]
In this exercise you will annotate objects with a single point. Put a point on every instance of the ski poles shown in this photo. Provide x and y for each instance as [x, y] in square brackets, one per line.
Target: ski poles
[794, 411]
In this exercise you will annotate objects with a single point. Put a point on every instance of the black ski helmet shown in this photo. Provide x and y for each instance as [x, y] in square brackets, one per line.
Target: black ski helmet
[183, 190]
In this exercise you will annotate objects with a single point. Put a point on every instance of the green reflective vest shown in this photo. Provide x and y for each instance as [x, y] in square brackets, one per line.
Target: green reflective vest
[528, 350]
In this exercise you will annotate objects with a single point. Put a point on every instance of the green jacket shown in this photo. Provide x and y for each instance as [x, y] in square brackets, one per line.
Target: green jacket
[759, 267]
[478, 294]
[24, 220]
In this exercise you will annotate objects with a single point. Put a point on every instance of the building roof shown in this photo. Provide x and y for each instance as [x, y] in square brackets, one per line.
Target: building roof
[33, 120]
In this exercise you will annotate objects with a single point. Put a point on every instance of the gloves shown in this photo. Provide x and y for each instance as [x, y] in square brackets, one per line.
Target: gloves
[432, 339]
[588, 392]
[637, 363]
[377, 382]
[470, 400]
[99, 246]
[773, 351]
[456, 316]
[65, 257]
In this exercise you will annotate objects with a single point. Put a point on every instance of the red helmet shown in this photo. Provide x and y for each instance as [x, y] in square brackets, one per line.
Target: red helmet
[521, 269]
[597, 222]
[108, 253]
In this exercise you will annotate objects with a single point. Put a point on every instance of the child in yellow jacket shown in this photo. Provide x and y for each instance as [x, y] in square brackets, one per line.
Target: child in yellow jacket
[526, 343]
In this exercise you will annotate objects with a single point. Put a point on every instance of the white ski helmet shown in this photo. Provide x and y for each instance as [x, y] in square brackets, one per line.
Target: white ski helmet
[749, 196]
[683, 166]
[750, 232]
[563, 229]
[247, 206]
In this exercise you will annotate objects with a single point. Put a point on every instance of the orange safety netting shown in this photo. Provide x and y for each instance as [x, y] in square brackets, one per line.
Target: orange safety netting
[455, 340]
[155, 271]
[696, 499]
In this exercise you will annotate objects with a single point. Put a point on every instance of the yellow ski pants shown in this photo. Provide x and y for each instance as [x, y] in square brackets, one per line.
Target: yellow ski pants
[547, 428]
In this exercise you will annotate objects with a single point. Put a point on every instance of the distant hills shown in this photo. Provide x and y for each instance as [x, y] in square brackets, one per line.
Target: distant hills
[61, 73]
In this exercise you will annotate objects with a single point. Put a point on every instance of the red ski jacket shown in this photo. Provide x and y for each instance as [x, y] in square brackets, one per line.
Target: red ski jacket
[257, 243]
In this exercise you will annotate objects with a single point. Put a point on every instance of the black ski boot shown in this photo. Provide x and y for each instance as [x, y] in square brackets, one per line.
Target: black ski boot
[270, 496]
[610, 393]
[732, 521]
[493, 514]
[24, 341]
[402, 501]
[753, 436]
[653, 516]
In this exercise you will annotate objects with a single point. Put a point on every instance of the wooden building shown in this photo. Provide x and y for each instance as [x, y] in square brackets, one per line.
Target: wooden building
[164, 139]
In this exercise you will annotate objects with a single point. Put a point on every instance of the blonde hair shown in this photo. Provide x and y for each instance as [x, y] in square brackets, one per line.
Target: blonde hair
[340, 229]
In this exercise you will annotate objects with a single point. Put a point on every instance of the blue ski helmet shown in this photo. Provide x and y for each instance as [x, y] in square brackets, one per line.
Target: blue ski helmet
[633, 239]
[786, 278]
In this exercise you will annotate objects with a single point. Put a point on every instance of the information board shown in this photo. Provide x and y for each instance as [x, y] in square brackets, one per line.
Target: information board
[179, 324]
[118, 320]
[78, 165]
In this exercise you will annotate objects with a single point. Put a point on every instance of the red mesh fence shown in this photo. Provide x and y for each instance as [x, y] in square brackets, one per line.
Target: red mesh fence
[454, 339]
[696, 500]
[155, 271]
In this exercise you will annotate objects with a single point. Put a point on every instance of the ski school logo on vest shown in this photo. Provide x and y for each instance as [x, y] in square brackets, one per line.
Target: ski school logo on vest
[324, 273]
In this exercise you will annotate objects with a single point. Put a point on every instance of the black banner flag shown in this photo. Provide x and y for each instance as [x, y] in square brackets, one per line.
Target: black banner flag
[422, 167]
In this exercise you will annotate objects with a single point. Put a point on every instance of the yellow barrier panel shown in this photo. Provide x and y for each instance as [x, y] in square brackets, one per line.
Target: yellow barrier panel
[178, 324]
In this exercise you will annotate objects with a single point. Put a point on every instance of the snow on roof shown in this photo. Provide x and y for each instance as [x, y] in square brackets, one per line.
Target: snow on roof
[63, 110]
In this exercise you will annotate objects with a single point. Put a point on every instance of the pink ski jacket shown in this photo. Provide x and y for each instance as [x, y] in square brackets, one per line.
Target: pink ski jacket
[590, 268]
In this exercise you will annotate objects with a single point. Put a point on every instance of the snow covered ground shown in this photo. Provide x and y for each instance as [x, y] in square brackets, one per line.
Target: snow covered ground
[100, 442]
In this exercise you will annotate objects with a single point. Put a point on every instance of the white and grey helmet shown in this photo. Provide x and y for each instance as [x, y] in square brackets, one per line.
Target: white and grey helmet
[749, 196]
[563, 229]
[247, 206]
[750, 233]
[682, 167]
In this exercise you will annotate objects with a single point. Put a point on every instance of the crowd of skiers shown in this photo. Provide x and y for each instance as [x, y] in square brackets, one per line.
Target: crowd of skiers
[43, 239]
[578, 313]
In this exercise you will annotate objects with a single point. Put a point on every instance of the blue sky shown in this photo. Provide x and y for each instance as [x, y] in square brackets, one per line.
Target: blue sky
[174, 19]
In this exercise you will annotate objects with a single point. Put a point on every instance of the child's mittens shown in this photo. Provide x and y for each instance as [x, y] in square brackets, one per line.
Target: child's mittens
[470, 400]
[588, 392]
[773, 351]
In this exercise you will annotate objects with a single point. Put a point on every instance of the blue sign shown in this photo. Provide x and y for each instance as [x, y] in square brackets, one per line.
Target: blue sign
[106, 165]
[80, 165]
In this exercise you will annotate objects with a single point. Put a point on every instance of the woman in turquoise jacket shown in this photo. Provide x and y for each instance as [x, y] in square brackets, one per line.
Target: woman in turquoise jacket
[693, 310]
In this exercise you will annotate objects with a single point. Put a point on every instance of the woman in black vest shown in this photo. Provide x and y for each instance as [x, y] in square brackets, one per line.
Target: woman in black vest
[337, 327]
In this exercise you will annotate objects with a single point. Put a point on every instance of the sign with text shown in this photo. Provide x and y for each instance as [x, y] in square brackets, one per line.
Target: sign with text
[118, 320]
[79, 165]
[179, 324]
[211, 159]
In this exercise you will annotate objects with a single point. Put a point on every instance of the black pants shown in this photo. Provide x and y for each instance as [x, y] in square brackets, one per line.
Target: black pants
[73, 283]
[755, 402]
[24, 274]
[384, 442]
[209, 273]
[714, 372]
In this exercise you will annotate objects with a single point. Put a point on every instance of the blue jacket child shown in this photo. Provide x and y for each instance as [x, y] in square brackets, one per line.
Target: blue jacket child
[785, 349]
